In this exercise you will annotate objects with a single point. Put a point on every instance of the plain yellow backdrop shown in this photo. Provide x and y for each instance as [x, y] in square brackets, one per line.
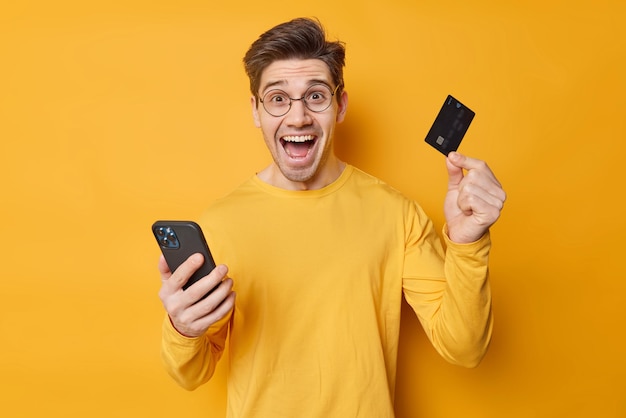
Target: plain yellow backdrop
[115, 114]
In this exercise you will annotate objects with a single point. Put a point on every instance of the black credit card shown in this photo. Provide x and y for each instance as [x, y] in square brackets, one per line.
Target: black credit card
[450, 126]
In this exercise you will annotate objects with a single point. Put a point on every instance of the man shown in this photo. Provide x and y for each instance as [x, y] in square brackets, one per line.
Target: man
[320, 254]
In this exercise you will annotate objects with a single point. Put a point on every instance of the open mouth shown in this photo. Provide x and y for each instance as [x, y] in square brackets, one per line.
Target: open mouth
[298, 146]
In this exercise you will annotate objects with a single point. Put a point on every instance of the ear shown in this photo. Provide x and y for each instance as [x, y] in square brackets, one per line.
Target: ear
[343, 106]
[255, 112]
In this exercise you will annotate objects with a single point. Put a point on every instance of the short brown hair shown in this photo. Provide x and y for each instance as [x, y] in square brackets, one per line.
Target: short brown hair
[300, 38]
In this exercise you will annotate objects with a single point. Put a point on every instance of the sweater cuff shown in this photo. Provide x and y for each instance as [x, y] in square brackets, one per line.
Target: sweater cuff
[172, 335]
[479, 246]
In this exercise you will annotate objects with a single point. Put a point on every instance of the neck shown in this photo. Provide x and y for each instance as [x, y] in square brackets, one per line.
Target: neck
[331, 172]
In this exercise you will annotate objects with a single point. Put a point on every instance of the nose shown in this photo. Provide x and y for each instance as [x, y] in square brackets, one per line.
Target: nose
[298, 114]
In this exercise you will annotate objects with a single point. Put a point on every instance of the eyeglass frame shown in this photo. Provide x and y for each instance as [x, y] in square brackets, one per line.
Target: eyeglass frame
[303, 99]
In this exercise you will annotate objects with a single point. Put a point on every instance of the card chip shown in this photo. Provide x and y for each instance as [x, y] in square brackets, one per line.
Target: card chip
[440, 140]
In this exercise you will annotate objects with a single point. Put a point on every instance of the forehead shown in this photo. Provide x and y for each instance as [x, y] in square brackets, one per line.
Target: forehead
[295, 73]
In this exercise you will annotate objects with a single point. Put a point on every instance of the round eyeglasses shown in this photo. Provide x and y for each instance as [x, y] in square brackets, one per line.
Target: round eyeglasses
[316, 98]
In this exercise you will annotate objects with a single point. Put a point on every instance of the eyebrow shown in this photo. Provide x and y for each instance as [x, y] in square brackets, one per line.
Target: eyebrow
[282, 83]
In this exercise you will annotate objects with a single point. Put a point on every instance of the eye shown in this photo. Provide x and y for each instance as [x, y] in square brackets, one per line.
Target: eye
[276, 97]
[318, 94]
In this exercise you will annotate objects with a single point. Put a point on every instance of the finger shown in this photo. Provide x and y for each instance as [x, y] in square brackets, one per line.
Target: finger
[476, 200]
[199, 289]
[455, 173]
[480, 181]
[207, 305]
[205, 321]
[164, 268]
[463, 161]
[471, 164]
[196, 319]
[182, 274]
[483, 188]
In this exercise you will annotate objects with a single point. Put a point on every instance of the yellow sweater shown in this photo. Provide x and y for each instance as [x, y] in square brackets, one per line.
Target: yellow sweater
[319, 277]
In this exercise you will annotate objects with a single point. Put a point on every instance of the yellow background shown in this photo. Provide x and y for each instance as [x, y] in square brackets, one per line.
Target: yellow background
[114, 114]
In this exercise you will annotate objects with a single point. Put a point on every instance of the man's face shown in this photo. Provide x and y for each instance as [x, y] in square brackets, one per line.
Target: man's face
[301, 141]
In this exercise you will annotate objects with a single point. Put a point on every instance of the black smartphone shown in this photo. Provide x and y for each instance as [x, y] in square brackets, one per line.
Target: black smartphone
[180, 239]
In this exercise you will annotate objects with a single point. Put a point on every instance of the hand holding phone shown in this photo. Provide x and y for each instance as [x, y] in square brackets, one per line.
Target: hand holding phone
[178, 241]
[190, 312]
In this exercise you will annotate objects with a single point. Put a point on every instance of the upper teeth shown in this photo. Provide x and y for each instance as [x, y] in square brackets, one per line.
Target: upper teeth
[298, 138]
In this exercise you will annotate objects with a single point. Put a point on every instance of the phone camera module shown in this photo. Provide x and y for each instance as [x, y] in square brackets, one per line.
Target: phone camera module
[167, 238]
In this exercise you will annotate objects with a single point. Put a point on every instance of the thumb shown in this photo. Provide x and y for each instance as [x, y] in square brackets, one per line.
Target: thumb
[455, 171]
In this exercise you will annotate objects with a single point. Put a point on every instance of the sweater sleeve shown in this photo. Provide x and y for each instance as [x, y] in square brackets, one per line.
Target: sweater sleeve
[450, 293]
[191, 361]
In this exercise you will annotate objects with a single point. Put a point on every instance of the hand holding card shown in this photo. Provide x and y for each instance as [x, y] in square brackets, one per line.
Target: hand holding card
[450, 126]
